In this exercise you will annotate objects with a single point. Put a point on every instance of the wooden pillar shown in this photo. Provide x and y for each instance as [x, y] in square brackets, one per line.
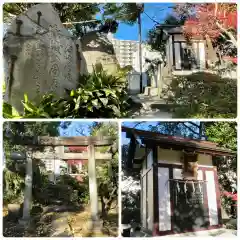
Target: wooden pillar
[155, 231]
[28, 187]
[93, 186]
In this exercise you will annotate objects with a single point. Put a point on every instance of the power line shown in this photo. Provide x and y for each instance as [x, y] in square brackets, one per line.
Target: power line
[151, 18]
[87, 21]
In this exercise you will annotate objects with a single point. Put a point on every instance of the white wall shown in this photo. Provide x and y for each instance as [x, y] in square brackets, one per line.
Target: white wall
[147, 192]
[174, 157]
[212, 202]
[202, 57]
[170, 51]
[150, 159]
[146, 54]
[144, 203]
[164, 200]
[150, 203]
[177, 174]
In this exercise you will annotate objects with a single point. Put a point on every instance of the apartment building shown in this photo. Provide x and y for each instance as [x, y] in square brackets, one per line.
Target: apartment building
[124, 50]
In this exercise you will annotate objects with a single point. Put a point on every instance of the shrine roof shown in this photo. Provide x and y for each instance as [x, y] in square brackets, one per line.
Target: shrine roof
[170, 29]
[177, 143]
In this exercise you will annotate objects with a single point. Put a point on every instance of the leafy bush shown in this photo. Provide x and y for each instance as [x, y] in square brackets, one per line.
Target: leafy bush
[81, 188]
[203, 95]
[98, 95]
[225, 135]
[13, 185]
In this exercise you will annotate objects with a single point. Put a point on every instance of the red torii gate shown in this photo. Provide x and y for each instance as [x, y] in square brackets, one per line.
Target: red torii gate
[74, 162]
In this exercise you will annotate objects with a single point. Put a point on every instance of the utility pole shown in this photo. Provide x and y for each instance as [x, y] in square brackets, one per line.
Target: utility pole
[140, 7]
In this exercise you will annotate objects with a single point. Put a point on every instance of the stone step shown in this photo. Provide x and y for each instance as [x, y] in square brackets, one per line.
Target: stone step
[148, 100]
[150, 91]
[150, 107]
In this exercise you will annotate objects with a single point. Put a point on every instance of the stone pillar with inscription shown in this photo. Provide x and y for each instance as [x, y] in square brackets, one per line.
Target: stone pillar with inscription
[41, 56]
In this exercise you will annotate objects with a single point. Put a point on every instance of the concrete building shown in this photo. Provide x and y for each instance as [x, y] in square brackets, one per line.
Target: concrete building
[147, 54]
[134, 78]
[124, 50]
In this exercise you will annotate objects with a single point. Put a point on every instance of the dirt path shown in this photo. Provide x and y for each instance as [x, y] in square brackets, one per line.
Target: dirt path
[62, 221]
[80, 225]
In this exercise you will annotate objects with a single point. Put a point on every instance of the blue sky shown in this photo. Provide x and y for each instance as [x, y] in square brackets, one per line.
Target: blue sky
[133, 124]
[76, 129]
[154, 10]
[157, 11]
[143, 126]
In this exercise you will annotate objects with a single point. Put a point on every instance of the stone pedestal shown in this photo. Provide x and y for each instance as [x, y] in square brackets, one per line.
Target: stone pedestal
[151, 91]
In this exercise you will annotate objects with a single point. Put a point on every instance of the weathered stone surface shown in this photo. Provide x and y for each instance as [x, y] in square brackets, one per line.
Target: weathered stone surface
[96, 48]
[46, 59]
[14, 212]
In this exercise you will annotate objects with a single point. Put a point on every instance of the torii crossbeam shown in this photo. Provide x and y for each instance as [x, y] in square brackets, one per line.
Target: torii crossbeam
[58, 143]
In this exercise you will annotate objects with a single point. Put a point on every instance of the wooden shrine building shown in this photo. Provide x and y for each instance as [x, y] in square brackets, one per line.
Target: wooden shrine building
[179, 183]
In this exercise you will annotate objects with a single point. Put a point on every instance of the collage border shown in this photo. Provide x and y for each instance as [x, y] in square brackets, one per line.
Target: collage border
[119, 121]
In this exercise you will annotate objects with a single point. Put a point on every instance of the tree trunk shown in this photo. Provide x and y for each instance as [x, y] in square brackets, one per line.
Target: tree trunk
[202, 131]
[104, 212]
[107, 203]
[211, 53]
[230, 35]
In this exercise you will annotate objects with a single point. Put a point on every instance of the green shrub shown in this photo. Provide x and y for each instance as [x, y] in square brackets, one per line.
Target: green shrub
[203, 95]
[98, 95]
[81, 189]
[13, 185]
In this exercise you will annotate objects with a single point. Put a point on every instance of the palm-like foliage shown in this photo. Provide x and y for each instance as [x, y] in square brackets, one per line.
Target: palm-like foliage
[128, 13]
[124, 12]
[100, 79]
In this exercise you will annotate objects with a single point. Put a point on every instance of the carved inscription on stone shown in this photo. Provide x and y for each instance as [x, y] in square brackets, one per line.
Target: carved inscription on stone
[46, 56]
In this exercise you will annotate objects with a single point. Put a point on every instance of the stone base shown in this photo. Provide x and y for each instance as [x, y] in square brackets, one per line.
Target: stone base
[24, 222]
[14, 211]
[151, 91]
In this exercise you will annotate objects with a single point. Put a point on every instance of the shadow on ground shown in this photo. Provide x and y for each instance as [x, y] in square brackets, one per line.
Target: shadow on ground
[53, 221]
[81, 225]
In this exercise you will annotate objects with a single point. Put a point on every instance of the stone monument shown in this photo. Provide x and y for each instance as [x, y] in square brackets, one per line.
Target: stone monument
[40, 54]
[96, 48]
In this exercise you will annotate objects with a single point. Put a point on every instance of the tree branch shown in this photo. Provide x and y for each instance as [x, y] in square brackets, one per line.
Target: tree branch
[192, 130]
[229, 34]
